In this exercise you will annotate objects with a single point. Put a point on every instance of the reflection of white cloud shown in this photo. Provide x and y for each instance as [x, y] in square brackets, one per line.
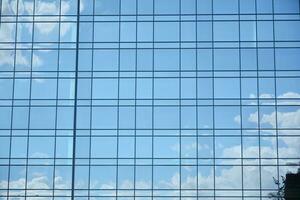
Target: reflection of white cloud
[237, 119]
[40, 182]
[6, 58]
[284, 119]
[227, 177]
[50, 8]
[289, 95]
[39, 155]
[282, 99]
[37, 61]
[7, 30]
[266, 96]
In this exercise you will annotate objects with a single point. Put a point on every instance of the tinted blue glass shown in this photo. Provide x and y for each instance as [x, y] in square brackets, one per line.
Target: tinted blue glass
[284, 30]
[148, 99]
[107, 7]
[288, 6]
[166, 6]
[225, 7]
[226, 31]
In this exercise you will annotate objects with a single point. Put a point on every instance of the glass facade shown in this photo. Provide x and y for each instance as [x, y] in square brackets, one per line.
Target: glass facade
[148, 99]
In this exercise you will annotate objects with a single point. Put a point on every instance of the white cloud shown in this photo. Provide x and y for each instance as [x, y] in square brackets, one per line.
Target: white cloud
[283, 99]
[7, 58]
[289, 95]
[266, 96]
[284, 119]
[237, 119]
[253, 117]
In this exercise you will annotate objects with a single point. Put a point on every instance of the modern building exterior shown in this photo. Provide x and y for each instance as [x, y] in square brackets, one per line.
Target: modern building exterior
[148, 99]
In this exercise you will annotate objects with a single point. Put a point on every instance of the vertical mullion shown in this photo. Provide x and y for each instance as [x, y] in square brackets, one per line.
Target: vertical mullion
[152, 101]
[75, 100]
[135, 96]
[197, 135]
[0, 12]
[118, 104]
[213, 98]
[12, 100]
[91, 103]
[56, 100]
[180, 125]
[30, 94]
[275, 94]
[258, 104]
[240, 100]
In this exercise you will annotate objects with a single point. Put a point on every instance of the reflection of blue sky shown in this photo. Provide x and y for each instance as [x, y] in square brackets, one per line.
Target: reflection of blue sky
[164, 117]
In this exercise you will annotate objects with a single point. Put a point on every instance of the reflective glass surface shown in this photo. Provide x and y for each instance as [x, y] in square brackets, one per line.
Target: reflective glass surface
[148, 99]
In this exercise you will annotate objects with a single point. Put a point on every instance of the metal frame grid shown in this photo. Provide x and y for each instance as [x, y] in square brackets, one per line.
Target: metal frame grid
[98, 106]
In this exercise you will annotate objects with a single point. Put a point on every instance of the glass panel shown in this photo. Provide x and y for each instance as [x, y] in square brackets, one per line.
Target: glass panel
[153, 99]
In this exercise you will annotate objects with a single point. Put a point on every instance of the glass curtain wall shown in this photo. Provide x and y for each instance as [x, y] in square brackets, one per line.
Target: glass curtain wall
[148, 99]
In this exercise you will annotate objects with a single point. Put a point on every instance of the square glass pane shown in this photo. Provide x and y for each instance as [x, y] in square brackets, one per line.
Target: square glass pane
[188, 117]
[247, 6]
[41, 147]
[45, 122]
[107, 7]
[188, 31]
[166, 31]
[106, 31]
[166, 147]
[226, 31]
[144, 59]
[127, 117]
[105, 60]
[204, 31]
[127, 60]
[103, 177]
[4, 147]
[143, 117]
[46, 32]
[204, 6]
[288, 6]
[128, 32]
[127, 88]
[227, 117]
[287, 59]
[222, 180]
[128, 7]
[144, 88]
[44, 89]
[144, 147]
[145, 6]
[40, 177]
[105, 88]
[6, 88]
[226, 59]
[227, 88]
[166, 6]
[166, 59]
[166, 177]
[20, 117]
[166, 117]
[126, 147]
[162, 89]
[205, 116]
[104, 118]
[101, 147]
[228, 7]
